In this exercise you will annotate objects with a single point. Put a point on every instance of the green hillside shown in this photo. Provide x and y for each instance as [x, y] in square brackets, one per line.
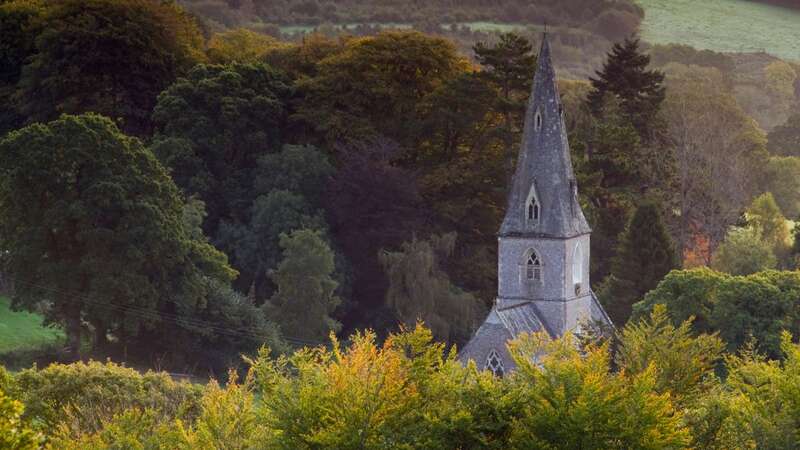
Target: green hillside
[23, 331]
[723, 25]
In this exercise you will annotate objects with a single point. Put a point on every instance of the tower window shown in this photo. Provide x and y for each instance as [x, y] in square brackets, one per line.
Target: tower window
[577, 267]
[533, 210]
[537, 121]
[533, 267]
[495, 364]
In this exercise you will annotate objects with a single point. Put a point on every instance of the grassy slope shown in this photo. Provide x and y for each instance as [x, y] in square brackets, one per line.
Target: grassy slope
[723, 25]
[23, 331]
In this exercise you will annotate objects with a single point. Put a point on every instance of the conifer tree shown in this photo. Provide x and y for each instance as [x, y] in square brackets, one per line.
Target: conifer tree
[625, 76]
[645, 255]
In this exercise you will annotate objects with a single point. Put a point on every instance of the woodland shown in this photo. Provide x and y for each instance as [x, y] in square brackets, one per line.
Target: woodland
[312, 219]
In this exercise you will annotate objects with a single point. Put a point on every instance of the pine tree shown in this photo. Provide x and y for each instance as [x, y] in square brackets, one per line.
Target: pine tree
[645, 255]
[625, 77]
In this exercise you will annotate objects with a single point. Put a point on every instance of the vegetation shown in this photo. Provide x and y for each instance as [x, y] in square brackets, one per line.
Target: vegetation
[178, 192]
[412, 392]
[669, 21]
[23, 331]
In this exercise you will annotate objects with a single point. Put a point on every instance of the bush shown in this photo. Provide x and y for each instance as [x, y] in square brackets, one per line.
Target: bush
[82, 396]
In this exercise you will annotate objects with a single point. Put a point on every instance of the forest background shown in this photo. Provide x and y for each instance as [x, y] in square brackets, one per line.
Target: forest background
[184, 183]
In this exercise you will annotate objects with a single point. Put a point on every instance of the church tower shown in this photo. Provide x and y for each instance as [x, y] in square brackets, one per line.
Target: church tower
[543, 243]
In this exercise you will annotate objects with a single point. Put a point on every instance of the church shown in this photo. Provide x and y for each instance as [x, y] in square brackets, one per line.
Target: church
[543, 243]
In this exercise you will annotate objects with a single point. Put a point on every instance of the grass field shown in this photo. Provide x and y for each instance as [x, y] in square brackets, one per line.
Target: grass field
[23, 331]
[723, 25]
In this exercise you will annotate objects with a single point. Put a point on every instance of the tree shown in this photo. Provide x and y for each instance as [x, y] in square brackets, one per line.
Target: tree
[765, 216]
[744, 251]
[375, 84]
[93, 231]
[371, 204]
[305, 298]
[645, 255]
[420, 291]
[20, 23]
[14, 435]
[687, 294]
[568, 394]
[625, 76]
[107, 56]
[783, 181]
[699, 111]
[509, 65]
[756, 307]
[213, 126]
[784, 140]
[254, 245]
[682, 361]
[240, 45]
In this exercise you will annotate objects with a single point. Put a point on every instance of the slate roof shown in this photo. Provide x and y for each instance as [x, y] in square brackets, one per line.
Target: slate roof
[544, 159]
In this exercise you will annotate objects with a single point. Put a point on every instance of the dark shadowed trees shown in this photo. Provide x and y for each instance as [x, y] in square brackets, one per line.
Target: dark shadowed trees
[93, 231]
[112, 57]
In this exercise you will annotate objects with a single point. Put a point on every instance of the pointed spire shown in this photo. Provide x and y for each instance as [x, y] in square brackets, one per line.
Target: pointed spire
[544, 176]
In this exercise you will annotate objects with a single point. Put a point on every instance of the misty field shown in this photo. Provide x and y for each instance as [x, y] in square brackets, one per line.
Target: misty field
[723, 25]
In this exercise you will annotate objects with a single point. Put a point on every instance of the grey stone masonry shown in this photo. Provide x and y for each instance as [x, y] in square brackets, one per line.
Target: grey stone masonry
[543, 243]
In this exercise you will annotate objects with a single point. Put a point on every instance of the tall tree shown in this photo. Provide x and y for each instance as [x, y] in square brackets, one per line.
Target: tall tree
[306, 295]
[784, 139]
[108, 56]
[212, 127]
[92, 226]
[644, 257]
[626, 77]
[371, 204]
[20, 23]
[509, 65]
[374, 86]
[420, 290]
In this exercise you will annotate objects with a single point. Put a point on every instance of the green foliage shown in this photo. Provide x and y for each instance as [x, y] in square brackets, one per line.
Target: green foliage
[212, 127]
[112, 57]
[683, 363]
[86, 211]
[765, 216]
[420, 291]
[743, 252]
[739, 308]
[305, 298]
[14, 434]
[687, 294]
[784, 139]
[78, 398]
[574, 401]
[239, 45]
[373, 86]
[625, 76]
[783, 181]
[644, 256]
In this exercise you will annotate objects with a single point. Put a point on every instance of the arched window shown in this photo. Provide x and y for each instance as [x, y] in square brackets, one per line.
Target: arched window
[537, 121]
[533, 266]
[495, 364]
[577, 267]
[533, 211]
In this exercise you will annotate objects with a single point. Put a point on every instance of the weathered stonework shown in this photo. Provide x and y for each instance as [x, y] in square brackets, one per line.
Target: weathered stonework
[553, 294]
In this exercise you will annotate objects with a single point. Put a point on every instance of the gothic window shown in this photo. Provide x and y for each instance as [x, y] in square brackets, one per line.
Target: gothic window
[533, 211]
[577, 267]
[495, 364]
[537, 121]
[533, 267]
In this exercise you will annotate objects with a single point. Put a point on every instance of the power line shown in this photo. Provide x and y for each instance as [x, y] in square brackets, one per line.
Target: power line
[149, 314]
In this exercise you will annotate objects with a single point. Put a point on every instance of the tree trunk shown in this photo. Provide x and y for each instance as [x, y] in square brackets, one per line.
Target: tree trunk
[73, 330]
[100, 337]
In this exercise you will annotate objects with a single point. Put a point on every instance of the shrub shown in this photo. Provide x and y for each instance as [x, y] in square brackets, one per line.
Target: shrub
[82, 396]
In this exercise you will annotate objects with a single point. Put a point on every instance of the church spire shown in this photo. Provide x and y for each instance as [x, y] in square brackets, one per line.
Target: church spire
[543, 197]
